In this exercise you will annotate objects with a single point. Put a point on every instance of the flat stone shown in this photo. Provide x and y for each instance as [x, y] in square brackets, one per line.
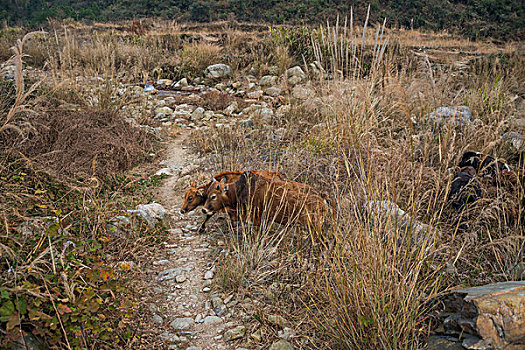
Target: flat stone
[277, 320]
[493, 312]
[235, 333]
[164, 171]
[281, 345]
[163, 111]
[212, 320]
[273, 91]
[268, 80]
[295, 75]
[302, 92]
[459, 115]
[182, 323]
[194, 348]
[169, 337]
[443, 343]
[169, 274]
[161, 262]
[255, 94]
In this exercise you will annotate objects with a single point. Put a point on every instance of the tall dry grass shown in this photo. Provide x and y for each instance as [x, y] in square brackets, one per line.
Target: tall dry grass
[364, 138]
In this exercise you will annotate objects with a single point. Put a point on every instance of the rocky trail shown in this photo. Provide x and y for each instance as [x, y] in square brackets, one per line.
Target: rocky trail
[180, 297]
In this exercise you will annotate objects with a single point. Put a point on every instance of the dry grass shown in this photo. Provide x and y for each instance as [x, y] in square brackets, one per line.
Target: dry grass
[197, 56]
[363, 137]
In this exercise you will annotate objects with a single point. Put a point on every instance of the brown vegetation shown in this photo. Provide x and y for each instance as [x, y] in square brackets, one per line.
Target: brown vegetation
[363, 136]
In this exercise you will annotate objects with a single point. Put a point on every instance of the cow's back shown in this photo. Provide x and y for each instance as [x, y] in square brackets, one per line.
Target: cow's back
[284, 201]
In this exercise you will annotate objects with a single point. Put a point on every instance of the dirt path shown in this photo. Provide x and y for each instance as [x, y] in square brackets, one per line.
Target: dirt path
[181, 298]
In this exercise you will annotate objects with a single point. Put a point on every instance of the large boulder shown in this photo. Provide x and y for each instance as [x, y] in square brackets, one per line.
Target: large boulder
[218, 71]
[490, 316]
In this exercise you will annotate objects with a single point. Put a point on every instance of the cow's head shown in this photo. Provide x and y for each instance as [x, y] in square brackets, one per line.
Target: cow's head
[216, 197]
[194, 197]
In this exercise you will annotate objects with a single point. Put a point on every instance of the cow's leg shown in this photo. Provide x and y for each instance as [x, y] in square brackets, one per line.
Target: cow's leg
[203, 225]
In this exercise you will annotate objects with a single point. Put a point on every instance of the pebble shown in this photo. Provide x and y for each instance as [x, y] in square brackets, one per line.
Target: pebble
[235, 333]
[157, 319]
[277, 320]
[180, 278]
[206, 289]
[228, 299]
[169, 337]
[161, 262]
[208, 275]
[221, 310]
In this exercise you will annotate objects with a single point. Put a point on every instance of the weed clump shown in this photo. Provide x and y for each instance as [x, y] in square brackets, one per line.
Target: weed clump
[80, 143]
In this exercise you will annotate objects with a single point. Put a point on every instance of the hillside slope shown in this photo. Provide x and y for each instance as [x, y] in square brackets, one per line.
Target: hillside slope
[503, 19]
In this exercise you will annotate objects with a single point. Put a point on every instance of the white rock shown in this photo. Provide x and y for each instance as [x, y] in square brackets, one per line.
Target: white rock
[164, 171]
[180, 278]
[157, 319]
[181, 83]
[163, 111]
[231, 108]
[217, 71]
[197, 113]
[295, 75]
[208, 275]
[152, 213]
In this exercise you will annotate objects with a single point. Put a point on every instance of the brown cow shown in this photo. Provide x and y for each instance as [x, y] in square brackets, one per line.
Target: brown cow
[196, 196]
[255, 198]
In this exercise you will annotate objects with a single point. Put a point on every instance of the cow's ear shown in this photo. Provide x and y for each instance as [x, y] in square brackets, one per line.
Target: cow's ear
[218, 187]
[224, 179]
[193, 184]
[225, 189]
